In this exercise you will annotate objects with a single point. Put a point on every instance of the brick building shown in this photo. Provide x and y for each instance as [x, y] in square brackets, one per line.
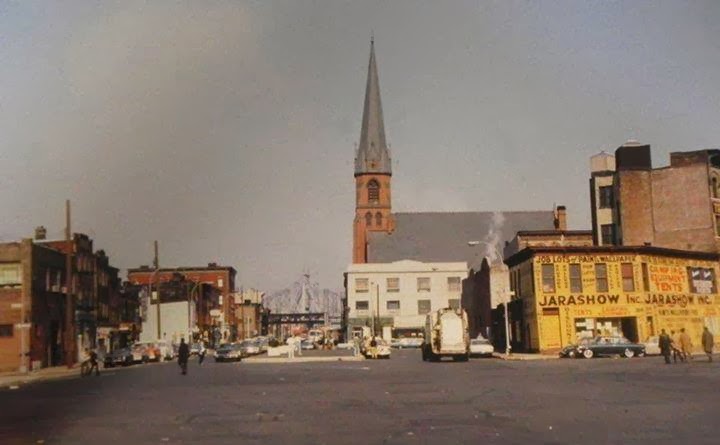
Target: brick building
[207, 277]
[677, 206]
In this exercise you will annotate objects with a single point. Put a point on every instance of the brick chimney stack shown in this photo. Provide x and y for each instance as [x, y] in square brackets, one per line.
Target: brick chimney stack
[40, 233]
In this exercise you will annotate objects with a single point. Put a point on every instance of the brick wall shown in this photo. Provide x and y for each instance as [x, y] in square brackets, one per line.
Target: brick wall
[636, 213]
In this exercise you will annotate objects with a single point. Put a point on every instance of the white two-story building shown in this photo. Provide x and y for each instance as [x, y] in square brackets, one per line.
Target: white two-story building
[394, 298]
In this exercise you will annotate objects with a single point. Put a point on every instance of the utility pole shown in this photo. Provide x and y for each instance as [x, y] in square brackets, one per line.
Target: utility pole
[69, 301]
[157, 290]
[377, 301]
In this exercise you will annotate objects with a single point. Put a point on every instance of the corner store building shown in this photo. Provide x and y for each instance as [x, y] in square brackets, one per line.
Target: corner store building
[566, 293]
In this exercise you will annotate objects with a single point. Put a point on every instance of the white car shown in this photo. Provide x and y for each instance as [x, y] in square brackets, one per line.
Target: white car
[481, 347]
[652, 346]
[383, 348]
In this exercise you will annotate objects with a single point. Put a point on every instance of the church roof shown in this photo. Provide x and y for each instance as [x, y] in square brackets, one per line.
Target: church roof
[372, 154]
[444, 237]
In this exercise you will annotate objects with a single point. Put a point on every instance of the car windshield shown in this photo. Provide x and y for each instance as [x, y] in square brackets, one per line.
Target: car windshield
[225, 347]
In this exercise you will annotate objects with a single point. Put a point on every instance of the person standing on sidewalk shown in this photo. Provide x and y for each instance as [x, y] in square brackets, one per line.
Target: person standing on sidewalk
[183, 355]
[675, 346]
[664, 343]
[685, 345]
[708, 343]
[201, 354]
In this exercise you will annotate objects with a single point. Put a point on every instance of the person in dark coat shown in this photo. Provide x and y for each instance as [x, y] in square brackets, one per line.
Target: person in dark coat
[183, 355]
[708, 343]
[664, 343]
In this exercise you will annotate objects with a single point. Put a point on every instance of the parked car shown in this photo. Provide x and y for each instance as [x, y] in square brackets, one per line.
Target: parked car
[119, 357]
[249, 347]
[383, 348]
[165, 350]
[593, 347]
[262, 343]
[410, 342]
[652, 345]
[229, 352]
[195, 348]
[140, 353]
[481, 347]
[307, 344]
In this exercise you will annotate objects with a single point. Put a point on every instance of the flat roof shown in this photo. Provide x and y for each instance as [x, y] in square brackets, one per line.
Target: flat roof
[531, 251]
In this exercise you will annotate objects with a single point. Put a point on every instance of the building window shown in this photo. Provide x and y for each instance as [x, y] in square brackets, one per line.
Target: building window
[361, 285]
[393, 305]
[378, 219]
[701, 280]
[601, 281]
[454, 284]
[575, 278]
[607, 233]
[362, 305]
[393, 284]
[10, 274]
[424, 307]
[368, 219]
[714, 189]
[423, 284]
[645, 277]
[454, 303]
[628, 279]
[607, 200]
[373, 192]
[6, 330]
[548, 277]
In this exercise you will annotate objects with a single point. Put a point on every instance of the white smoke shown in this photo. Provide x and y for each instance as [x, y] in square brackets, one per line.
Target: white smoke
[493, 239]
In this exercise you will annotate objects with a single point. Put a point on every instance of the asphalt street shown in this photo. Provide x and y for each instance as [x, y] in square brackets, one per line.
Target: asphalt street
[401, 400]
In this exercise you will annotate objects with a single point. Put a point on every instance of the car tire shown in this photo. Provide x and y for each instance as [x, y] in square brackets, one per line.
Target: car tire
[588, 353]
[629, 353]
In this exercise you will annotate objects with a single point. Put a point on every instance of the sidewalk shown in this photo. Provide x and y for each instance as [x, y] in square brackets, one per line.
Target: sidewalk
[525, 357]
[14, 379]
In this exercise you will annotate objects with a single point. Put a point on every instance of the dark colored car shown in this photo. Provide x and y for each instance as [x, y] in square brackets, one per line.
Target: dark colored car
[229, 352]
[594, 347]
[119, 357]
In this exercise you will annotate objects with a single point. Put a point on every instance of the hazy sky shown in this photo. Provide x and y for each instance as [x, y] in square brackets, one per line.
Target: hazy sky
[226, 129]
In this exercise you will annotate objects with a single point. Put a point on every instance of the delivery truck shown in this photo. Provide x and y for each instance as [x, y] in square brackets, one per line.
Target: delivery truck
[446, 335]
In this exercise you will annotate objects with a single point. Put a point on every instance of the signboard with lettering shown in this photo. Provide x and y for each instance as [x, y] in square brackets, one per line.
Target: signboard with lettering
[702, 280]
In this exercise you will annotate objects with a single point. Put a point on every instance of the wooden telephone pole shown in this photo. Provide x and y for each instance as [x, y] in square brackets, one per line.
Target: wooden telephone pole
[157, 290]
[69, 300]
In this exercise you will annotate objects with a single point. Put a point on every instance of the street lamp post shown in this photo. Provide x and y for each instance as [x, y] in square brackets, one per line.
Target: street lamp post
[505, 294]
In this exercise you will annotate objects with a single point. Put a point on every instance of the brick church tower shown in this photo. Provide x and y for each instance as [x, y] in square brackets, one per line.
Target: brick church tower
[372, 169]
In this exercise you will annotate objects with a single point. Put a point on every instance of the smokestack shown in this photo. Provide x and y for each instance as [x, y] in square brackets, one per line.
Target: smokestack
[40, 233]
[560, 218]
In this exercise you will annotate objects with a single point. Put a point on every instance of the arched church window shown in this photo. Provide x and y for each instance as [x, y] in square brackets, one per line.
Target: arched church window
[378, 219]
[373, 192]
[368, 219]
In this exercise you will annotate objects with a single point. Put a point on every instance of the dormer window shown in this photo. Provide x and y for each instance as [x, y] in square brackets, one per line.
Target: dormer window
[373, 192]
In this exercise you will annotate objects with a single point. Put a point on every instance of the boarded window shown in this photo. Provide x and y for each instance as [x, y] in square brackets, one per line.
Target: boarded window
[548, 277]
[393, 305]
[378, 219]
[601, 281]
[393, 284]
[424, 307]
[575, 278]
[628, 278]
[362, 305]
[361, 285]
[10, 274]
[454, 284]
[645, 277]
[454, 303]
[423, 284]
[368, 219]
[701, 280]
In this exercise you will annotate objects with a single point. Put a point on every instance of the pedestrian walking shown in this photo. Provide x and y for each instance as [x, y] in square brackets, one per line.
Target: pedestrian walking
[685, 345]
[291, 347]
[298, 346]
[183, 355]
[675, 346]
[94, 363]
[373, 347]
[665, 345]
[708, 343]
[201, 354]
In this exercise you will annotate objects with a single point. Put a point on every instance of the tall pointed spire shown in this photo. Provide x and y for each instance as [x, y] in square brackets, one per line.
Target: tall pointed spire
[372, 154]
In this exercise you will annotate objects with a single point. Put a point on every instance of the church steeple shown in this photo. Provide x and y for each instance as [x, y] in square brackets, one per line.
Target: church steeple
[372, 154]
[373, 210]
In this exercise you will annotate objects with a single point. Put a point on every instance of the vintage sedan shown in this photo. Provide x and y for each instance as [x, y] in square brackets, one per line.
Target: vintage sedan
[481, 347]
[119, 357]
[229, 352]
[605, 345]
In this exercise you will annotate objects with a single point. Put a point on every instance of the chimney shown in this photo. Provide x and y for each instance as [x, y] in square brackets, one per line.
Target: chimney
[560, 218]
[40, 233]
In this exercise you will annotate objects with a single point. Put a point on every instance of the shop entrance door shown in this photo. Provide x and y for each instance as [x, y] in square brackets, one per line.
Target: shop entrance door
[629, 328]
[551, 328]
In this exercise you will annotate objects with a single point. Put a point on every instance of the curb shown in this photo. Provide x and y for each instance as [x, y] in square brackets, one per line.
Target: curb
[525, 357]
[284, 360]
